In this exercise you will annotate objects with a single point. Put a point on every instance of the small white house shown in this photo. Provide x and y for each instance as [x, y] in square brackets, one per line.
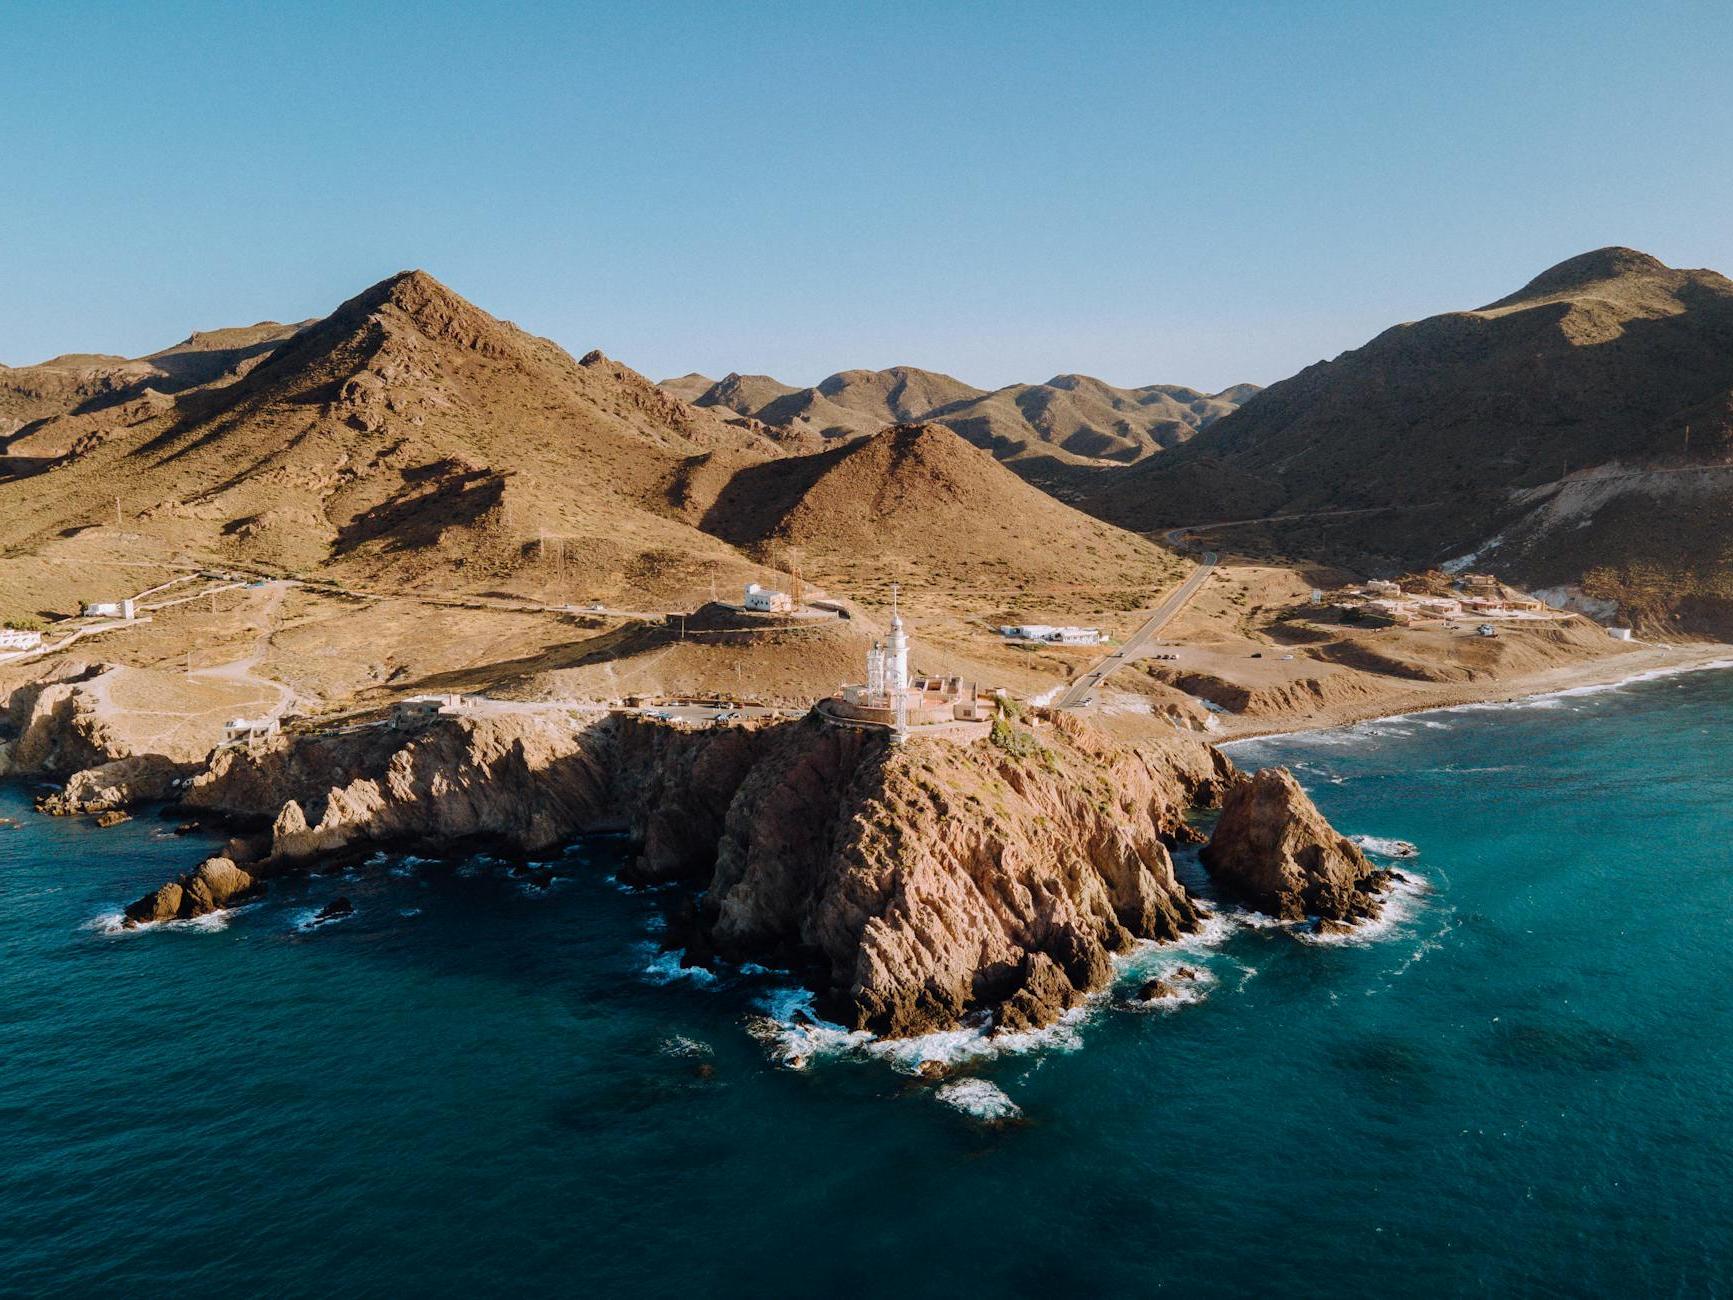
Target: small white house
[765, 601]
[238, 730]
[16, 638]
[1619, 633]
[110, 609]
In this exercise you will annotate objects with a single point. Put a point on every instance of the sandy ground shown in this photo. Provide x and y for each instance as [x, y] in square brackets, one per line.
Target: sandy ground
[1641, 661]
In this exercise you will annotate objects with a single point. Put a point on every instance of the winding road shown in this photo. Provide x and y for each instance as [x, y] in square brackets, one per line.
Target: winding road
[1078, 692]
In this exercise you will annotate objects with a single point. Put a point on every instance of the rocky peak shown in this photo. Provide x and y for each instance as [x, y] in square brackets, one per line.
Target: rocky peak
[1584, 270]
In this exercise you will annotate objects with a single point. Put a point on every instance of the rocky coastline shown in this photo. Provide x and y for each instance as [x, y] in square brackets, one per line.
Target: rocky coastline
[910, 887]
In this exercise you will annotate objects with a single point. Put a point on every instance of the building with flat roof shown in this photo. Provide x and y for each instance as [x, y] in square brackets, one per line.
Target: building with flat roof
[764, 600]
[110, 609]
[16, 638]
[238, 731]
[1053, 635]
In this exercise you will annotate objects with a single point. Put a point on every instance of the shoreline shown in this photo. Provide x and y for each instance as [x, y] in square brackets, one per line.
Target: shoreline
[1666, 661]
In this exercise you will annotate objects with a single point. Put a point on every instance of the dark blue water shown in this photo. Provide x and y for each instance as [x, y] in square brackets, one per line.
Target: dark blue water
[1524, 1087]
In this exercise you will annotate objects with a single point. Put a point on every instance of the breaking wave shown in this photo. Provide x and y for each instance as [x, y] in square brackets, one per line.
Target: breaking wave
[209, 923]
[979, 1099]
[665, 968]
[1380, 847]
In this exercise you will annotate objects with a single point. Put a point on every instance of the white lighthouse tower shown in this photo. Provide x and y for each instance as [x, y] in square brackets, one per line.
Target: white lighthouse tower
[897, 651]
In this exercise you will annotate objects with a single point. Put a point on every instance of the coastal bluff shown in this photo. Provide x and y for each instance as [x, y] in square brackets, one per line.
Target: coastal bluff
[910, 887]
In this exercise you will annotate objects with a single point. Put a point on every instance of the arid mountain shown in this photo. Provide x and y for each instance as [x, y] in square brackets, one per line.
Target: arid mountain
[85, 383]
[408, 437]
[1070, 419]
[918, 500]
[1577, 433]
[689, 387]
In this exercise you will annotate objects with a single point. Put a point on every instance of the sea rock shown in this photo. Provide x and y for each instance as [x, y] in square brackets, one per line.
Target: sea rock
[1154, 990]
[1273, 850]
[215, 885]
[162, 904]
[335, 910]
[113, 817]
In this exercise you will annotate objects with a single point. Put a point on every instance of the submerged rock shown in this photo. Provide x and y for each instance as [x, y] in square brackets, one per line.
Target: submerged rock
[335, 910]
[1273, 850]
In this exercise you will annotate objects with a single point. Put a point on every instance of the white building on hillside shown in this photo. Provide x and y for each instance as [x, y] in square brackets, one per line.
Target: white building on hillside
[110, 609]
[765, 601]
[1053, 635]
[16, 638]
[247, 730]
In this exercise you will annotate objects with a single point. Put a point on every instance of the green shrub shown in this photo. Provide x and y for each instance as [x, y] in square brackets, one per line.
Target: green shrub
[1013, 740]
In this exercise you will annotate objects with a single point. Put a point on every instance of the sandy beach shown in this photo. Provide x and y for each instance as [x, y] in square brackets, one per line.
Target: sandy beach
[1644, 662]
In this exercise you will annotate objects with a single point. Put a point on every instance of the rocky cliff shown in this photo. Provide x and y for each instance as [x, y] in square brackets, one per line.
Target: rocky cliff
[910, 886]
[1273, 850]
[57, 723]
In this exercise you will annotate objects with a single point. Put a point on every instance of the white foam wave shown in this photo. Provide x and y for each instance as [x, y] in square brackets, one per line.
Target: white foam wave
[665, 968]
[307, 919]
[1186, 985]
[1381, 847]
[1399, 904]
[682, 1046]
[979, 1099]
[209, 923]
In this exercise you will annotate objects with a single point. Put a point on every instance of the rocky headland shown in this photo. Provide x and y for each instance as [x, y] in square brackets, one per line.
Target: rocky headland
[909, 886]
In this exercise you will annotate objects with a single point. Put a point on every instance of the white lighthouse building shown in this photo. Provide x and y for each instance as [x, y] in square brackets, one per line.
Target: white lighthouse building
[892, 698]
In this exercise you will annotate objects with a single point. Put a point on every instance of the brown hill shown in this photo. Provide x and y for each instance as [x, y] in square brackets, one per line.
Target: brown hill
[1070, 419]
[688, 387]
[407, 438]
[84, 383]
[918, 502]
[1576, 432]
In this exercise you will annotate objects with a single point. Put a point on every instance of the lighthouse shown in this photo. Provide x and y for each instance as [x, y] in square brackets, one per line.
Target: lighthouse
[897, 656]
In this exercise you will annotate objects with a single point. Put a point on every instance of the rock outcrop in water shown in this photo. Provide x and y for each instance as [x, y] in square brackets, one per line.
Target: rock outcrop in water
[1273, 850]
[218, 883]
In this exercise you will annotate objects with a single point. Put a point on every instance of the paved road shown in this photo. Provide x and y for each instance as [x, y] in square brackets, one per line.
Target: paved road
[1079, 690]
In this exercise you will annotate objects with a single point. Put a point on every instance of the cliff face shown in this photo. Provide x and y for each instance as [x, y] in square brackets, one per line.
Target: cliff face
[1274, 851]
[926, 882]
[53, 725]
[59, 724]
[910, 886]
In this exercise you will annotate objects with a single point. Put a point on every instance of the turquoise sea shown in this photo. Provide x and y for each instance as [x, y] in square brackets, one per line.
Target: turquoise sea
[1523, 1087]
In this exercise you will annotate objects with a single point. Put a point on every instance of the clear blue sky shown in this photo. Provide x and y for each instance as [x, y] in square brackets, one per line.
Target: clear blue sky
[1196, 193]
